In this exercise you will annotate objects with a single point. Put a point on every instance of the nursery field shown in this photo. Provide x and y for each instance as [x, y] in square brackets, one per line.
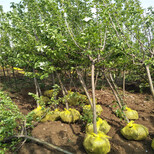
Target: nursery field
[77, 77]
[70, 136]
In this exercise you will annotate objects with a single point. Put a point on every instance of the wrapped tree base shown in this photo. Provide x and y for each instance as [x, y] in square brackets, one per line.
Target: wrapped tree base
[75, 98]
[38, 112]
[96, 143]
[70, 115]
[52, 116]
[134, 131]
[102, 126]
[48, 93]
[131, 114]
[87, 108]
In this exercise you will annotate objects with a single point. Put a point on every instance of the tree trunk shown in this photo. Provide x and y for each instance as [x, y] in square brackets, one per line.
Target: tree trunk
[15, 81]
[150, 80]
[93, 96]
[116, 96]
[84, 87]
[123, 87]
[63, 89]
[53, 79]
[4, 72]
[115, 88]
[37, 88]
[96, 79]
[72, 83]
[85, 76]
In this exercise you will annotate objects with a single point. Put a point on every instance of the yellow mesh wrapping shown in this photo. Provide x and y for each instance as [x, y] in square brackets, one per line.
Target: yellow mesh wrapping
[70, 115]
[87, 108]
[102, 126]
[21, 71]
[75, 98]
[131, 114]
[38, 111]
[51, 116]
[96, 143]
[134, 131]
[152, 144]
[48, 93]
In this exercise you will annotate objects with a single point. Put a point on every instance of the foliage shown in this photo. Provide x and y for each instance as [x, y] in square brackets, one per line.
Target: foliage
[54, 100]
[87, 117]
[36, 116]
[11, 120]
[43, 101]
[61, 36]
[119, 112]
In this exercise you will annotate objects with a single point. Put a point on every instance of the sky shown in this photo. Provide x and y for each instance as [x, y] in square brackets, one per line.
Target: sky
[6, 3]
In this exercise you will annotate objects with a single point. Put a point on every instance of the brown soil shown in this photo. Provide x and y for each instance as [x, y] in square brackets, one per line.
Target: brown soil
[70, 136]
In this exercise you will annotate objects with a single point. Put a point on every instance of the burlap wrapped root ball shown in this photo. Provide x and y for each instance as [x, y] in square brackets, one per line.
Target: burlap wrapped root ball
[38, 112]
[48, 93]
[102, 126]
[131, 114]
[87, 109]
[96, 143]
[52, 116]
[43, 100]
[152, 144]
[70, 115]
[134, 131]
[75, 98]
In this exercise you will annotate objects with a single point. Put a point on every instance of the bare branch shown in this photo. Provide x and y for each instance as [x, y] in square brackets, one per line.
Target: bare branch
[72, 35]
[46, 144]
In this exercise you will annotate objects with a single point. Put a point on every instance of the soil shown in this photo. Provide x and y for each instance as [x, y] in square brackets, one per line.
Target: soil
[70, 136]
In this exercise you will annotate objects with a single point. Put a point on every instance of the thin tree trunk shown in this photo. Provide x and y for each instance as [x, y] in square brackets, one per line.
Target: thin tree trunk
[72, 81]
[4, 72]
[15, 81]
[93, 96]
[63, 89]
[85, 76]
[8, 74]
[116, 96]
[115, 87]
[150, 80]
[36, 86]
[124, 84]
[96, 78]
[39, 89]
[84, 87]
[53, 78]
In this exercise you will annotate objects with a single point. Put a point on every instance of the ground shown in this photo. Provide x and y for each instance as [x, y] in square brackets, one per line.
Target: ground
[70, 136]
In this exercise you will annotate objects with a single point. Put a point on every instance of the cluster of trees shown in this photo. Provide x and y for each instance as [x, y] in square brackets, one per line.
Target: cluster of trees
[52, 36]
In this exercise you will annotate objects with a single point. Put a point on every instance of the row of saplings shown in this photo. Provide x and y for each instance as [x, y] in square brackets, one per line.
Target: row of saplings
[93, 143]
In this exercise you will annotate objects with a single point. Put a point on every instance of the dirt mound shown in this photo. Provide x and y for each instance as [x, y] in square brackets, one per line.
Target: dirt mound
[65, 136]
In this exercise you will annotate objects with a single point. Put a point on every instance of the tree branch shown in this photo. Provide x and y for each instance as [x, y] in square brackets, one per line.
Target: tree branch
[46, 144]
